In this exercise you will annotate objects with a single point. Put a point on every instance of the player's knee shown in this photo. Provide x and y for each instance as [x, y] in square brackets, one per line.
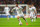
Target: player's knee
[31, 17]
[17, 17]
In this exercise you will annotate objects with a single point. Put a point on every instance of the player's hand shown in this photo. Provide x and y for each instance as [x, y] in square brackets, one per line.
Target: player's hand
[11, 11]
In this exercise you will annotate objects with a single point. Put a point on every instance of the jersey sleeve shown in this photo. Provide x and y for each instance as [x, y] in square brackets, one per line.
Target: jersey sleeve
[8, 9]
[13, 9]
[21, 7]
[34, 8]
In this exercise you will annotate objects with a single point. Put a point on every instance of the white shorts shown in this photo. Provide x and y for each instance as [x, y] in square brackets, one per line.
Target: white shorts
[32, 15]
[7, 13]
[21, 15]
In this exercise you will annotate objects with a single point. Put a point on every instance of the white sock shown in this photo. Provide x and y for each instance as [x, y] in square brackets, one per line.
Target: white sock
[32, 20]
[20, 22]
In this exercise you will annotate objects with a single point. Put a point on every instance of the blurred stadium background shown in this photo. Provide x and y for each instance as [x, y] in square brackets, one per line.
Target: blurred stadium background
[24, 3]
[13, 22]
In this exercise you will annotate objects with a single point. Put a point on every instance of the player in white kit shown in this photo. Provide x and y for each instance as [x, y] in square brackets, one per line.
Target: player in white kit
[19, 13]
[6, 10]
[32, 10]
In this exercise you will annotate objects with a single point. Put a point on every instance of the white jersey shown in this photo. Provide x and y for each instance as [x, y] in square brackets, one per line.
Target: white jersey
[6, 9]
[18, 10]
[32, 14]
[32, 9]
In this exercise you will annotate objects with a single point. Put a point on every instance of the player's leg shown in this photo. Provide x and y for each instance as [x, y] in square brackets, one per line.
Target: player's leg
[24, 19]
[31, 17]
[19, 19]
[7, 18]
[34, 18]
[7, 14]
[36, 15]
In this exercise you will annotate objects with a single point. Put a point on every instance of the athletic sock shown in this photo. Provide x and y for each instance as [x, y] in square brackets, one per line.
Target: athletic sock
[32, 20]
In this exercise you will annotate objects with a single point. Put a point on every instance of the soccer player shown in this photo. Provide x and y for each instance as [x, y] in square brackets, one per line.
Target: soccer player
[35, 12]
[6, 10]
[32, 11]
[19, 13]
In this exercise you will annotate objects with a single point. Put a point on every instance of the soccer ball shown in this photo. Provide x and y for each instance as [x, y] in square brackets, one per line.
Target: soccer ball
[20, 23]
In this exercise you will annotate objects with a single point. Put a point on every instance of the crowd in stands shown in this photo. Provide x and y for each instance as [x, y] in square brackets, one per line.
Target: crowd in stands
[36, 2]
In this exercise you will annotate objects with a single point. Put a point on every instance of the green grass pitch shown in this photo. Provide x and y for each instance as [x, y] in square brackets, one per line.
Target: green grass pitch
[13, 22]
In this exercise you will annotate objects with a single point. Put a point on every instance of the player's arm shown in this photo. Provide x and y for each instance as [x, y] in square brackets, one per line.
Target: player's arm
[20, 7]
[35, 10]
[28, 11]
[9, 8]
[12, 9]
